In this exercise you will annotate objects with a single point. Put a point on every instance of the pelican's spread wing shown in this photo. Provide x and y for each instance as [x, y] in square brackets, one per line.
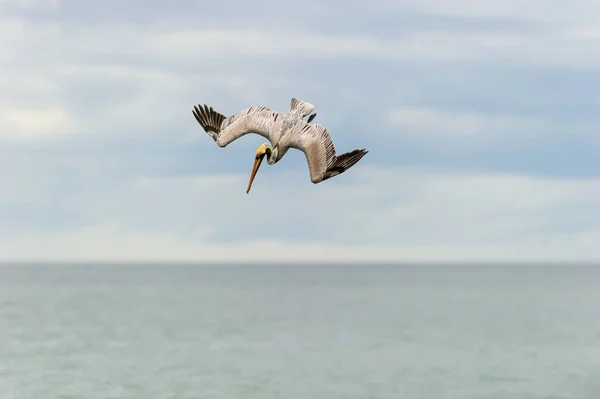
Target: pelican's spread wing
[316, 143]
[256, 119]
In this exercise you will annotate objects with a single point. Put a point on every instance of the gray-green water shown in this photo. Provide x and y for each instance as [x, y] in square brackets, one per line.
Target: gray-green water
[299, 332]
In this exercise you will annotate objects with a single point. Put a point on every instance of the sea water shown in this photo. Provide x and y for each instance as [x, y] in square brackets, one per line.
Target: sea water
[299, 331]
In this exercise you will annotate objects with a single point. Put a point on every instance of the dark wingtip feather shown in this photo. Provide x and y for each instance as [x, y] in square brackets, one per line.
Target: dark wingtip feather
[344, 162]
[208, 118]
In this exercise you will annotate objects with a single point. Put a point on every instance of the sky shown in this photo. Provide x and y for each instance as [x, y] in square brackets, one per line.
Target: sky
[481, 120]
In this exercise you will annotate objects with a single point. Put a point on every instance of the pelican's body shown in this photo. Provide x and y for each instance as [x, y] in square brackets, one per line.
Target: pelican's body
[284, 131]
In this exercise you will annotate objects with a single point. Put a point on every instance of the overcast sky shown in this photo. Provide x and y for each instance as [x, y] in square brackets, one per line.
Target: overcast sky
[482, 121]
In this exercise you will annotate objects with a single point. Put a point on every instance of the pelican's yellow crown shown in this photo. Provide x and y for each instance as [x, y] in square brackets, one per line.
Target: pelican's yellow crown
[262, 149]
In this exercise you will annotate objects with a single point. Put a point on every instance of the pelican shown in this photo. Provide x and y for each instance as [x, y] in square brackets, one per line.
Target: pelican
[284, 131]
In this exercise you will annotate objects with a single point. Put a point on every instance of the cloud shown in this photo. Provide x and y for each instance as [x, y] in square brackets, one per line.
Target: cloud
[109, 244]
[423, 120]
[480, 120]
[399, 214]
[547, 47]
[31, 4]
[27, 123]
[556, 46]
[168, 68]
[587, 33]
[581, 11]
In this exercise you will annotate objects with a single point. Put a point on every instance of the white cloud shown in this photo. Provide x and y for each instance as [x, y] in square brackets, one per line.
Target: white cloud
[533, 10]
[107, 243]
[592, 33]
[29, 4]
[380, 215]
[155, 85]
[550, 47]
[424, 120]
[21, 44]
[553, 47]
[29, 123]
[476, 208]
[35, 71]
[85, 77]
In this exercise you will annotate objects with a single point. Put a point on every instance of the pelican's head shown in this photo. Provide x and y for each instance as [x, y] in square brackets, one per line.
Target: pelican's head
[263, 150]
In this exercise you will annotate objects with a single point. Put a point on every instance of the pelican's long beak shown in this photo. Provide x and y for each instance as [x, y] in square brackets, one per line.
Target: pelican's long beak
[257, 161]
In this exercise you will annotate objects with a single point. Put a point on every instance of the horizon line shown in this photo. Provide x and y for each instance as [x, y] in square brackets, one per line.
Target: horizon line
[366, 263]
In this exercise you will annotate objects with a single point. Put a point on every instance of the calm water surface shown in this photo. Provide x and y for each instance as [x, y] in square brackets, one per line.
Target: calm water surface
[298, 331]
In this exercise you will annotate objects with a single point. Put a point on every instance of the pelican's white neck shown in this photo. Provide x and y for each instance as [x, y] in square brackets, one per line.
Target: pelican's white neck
[271, 154]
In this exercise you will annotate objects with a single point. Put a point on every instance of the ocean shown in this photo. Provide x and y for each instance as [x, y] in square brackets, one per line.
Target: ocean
[299, 331]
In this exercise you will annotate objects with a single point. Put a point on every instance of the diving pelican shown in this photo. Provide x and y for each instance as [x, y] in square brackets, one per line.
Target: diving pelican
[284, 131]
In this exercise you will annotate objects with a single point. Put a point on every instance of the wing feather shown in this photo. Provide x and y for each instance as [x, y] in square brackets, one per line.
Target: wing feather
[316, 144]
[224, 130]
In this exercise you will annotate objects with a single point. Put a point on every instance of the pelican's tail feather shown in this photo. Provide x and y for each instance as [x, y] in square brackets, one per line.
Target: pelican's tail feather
[343, 162]
[208, 118]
